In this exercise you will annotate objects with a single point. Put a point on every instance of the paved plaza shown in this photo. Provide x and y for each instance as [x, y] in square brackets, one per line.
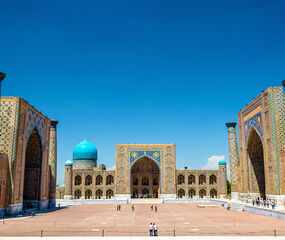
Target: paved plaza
[181, 219]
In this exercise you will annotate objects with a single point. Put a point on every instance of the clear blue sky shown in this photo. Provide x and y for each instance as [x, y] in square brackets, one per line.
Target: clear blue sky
[142, 71]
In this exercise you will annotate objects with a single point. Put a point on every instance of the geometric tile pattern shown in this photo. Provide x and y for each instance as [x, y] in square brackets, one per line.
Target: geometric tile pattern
[35, 121]
[256, 122]
[135, 155]
[234, 156]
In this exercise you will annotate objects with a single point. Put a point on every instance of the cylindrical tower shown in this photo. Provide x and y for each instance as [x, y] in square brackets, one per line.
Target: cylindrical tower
[52, 163]
[234, 158]
[68, 180]
[222, 178]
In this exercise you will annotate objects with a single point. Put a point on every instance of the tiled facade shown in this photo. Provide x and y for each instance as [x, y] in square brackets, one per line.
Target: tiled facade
[20, 121]
[260, 156]
[160, 160]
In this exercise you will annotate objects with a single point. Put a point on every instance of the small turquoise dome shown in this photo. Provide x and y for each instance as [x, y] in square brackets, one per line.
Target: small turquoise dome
[85, 151]
[68, 163]
[222, 162]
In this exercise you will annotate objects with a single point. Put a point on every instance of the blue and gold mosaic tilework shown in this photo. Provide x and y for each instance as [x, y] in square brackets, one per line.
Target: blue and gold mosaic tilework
[135, 155]
[256, 122]
[35, 121]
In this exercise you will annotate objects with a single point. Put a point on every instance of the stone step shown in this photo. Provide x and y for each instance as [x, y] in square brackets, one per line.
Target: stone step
[146, 201]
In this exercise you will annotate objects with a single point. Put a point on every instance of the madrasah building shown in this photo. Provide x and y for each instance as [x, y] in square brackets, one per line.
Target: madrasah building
[141, 171]
[28, 157]
[257, 156]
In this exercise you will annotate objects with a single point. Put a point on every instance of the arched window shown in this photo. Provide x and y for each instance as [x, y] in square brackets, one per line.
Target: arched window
[213, 179]
[109, 180]
[192, 193]
[99, 180]
[77, 194]
[202, 193]
[88, 194]
[88, 180]
[145, 181]
[213, 193]
[202, 179]
[135, 181]
[78, 180]
[191, 179]
[109, 194]
[155, 182]
[99, 194]
[155, 193]
[181, 179]
[181, 193]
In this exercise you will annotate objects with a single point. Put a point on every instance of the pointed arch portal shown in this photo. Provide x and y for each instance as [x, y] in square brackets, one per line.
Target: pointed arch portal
[256, 158]
[145, 178]
[33, 166]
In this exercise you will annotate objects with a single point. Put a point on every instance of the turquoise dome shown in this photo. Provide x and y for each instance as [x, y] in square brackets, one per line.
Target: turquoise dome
[85, 151]
[222, 162]
[68, 163]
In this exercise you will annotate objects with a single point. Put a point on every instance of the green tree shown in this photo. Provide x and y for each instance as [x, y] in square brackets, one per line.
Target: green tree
[229, 187]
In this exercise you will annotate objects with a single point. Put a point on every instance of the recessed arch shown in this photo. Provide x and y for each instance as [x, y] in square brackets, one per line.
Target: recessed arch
[202, 193]
[33, 168]
[99, 180]
[145, 177]
[99, 194]
[88, 194]
[181, 193]
[256, 161]
[192, 193]
[77, 194]
[88, 180]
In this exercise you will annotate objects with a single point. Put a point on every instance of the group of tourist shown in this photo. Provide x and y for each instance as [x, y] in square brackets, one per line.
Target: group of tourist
[153, 229]
[263, 203]
[118, 207]
[153, 208]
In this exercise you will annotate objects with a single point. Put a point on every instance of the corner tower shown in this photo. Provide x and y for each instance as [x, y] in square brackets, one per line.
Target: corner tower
[234, 158]
[68, 180]
[222, 178]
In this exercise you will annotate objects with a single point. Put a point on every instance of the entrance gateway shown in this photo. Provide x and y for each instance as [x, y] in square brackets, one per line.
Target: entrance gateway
[145, 171]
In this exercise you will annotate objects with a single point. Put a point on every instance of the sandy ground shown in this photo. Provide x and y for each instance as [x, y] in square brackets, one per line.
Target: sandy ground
[179, 219]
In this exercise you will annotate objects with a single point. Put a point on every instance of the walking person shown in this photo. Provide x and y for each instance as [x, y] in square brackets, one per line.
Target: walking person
[155, 208]
[155, 230]
[150, 228]
[151, 207]
[133, 208]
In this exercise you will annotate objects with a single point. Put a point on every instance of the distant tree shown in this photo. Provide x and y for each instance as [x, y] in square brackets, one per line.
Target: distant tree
[229, 188]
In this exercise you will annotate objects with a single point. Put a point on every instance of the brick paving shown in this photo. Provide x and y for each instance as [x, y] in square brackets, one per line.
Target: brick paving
[181, 219]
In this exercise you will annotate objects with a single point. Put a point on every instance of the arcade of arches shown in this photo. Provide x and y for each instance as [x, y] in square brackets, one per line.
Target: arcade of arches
[142, 171]
[145, 177]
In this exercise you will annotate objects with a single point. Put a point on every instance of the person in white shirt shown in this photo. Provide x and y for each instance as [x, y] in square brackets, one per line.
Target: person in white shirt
[155, 229]
[150, 229]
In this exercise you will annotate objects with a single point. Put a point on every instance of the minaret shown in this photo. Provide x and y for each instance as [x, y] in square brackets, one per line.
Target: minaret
[222, 178]
[52, 163]
[234, 158]
[68, 180]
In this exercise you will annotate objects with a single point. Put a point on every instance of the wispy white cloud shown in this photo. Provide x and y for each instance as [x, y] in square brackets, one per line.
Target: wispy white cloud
[112, 168]
[213, 162]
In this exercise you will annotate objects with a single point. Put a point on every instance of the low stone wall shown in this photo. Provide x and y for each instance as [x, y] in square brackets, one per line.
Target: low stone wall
[265, 212]
[74, 202]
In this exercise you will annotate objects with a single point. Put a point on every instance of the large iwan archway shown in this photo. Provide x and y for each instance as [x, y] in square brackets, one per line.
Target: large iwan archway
[145, 178]
[33, 165]
[255, 154]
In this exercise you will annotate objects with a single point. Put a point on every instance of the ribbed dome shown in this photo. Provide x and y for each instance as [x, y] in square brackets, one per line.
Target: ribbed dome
[222, 162]
[85, 151]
